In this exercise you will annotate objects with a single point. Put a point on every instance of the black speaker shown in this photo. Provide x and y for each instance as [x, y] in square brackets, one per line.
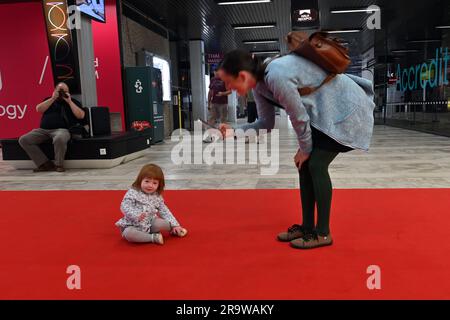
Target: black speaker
[99, 121]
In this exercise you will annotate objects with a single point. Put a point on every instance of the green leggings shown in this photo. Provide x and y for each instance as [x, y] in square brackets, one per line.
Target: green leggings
[315, 187]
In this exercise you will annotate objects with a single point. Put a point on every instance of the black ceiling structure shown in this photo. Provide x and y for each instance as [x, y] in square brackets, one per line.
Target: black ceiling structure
[401, 22]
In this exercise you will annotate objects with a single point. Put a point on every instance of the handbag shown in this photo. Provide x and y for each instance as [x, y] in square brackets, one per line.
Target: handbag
[76, 130]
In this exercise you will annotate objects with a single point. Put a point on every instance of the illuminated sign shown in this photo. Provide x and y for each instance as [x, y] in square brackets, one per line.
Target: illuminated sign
[427, 75]
[430, 74]
[392, 79]
[62, 52]
[305, 14]
[214, 58]
[163, 65]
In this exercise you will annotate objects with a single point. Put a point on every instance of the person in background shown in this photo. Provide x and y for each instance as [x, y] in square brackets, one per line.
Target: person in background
[59, 113]
[241, 107]
[252, 113]
[217, 101]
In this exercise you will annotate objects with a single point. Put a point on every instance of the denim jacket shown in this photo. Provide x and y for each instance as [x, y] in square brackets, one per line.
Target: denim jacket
[342, 108]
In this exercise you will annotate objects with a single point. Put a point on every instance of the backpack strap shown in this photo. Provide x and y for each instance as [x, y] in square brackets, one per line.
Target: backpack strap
[274, 103]
[308, 90]
[304, 91]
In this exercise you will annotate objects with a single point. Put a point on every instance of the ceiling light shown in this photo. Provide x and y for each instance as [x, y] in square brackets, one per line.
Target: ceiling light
[404, 50]
[424, 40]
[224, 3]
[443, 27]
[265, 52]
[260, 41]
[367, 10]
[256, 26]
[342, 31]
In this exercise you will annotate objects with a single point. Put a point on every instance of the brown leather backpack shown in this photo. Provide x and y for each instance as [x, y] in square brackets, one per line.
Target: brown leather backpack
[327, 53]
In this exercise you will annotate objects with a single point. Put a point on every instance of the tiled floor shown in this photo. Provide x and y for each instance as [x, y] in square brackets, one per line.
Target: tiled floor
[398, 158]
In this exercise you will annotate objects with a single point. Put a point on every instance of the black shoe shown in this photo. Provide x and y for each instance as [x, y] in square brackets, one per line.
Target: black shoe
[48, 166]
[294, 232]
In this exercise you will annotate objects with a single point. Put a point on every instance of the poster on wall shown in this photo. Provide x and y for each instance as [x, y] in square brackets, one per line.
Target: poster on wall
[25, 69]
[26, 77]
[63, 53]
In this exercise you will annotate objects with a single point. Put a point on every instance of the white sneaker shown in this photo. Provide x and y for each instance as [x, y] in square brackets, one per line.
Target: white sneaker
[208, 139]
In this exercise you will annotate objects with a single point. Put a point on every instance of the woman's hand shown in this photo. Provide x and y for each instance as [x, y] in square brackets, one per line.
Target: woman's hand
[226, 130]
[179, 231]
[300, 158]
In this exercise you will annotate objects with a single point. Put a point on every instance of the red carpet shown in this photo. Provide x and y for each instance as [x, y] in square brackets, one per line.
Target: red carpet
[230, 252]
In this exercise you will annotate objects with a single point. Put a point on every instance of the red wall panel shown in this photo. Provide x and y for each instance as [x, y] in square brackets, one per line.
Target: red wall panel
[24, 81]
[107, 53]
[24, 49]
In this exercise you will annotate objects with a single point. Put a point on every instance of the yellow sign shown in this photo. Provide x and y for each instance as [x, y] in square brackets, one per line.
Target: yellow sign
[429, 74]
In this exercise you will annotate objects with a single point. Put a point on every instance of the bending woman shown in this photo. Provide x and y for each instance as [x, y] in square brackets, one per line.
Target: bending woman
[336, 118]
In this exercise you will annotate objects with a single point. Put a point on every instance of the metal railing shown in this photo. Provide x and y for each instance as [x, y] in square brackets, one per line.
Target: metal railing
[427, 116]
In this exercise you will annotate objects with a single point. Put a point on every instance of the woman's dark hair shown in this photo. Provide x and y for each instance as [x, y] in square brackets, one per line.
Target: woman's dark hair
[239, 60]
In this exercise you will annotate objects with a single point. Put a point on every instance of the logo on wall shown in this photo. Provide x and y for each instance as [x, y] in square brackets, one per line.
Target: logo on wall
[43, 70]
[305, 14]
[62, 53]
[429, 74]
[11, 111]
[138, 86]
[140, 125]
[214, 58]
